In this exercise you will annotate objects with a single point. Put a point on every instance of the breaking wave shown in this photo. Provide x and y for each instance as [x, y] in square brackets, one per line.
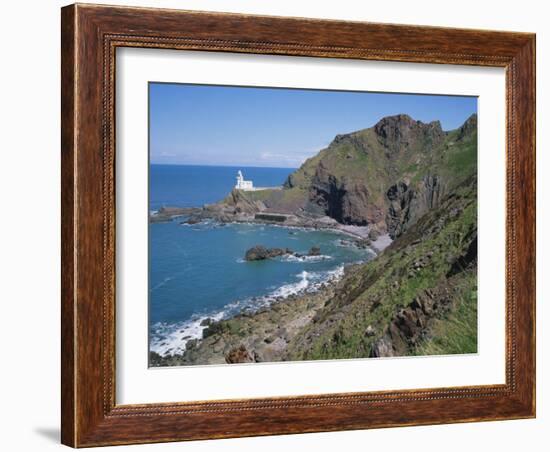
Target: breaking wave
[301, 259]
[171, 338]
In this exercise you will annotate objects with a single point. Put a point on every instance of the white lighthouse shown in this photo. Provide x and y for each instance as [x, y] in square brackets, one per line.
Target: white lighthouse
[243, 184]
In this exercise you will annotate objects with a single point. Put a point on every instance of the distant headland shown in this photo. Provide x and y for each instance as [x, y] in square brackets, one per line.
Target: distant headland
[248, 185]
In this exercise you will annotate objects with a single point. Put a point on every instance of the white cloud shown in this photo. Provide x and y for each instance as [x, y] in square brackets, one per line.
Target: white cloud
[290, 158]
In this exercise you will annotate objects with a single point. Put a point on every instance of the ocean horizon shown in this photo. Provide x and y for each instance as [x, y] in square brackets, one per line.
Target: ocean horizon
[195, 185]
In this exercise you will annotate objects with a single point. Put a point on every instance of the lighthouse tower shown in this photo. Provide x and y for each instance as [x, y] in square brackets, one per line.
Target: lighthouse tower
[243, 184]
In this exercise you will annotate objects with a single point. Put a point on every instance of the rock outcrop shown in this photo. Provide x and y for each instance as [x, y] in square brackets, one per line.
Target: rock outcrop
[260, 253]
[347, 201]
[410, 325]
[407, 204]
[239, 355]
[243, 204]
[314, 251]
[384, 177]
[400, 133]
[387, 176]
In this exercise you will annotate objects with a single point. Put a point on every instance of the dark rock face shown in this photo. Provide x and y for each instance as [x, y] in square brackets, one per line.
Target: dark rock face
[400, 132]
[213, 328]
[468, 127]
[155, 360]
[352, 139]
[410, 324]
[407, 204]
[469, 258]
[346, 201]
[352, 198]
[400, 198]
[260, 252]
[382, 348]
[242, 204]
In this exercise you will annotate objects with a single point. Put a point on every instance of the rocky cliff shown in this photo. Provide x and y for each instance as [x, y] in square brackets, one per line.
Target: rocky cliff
[418, 297]
[386, 176]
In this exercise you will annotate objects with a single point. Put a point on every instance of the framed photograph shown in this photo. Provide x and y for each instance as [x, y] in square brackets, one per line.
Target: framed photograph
[282, 225]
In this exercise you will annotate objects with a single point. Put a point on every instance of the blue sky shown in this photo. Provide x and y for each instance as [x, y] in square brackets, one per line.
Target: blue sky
[269, 127]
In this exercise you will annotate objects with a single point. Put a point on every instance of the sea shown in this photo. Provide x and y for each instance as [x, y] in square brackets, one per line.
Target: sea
[198, 271]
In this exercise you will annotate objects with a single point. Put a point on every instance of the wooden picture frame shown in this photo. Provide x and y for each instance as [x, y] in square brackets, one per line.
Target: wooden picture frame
[90, 36]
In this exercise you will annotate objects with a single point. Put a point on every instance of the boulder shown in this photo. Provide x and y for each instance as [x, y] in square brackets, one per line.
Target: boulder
[260, 252]
[314, 251]
[274, 252]
[191, 344]
[382, 348]
[256, 253]
[213, 328]
[410, 324]
[238, 355]
[191, 221]
[363, 243]
[374, 234]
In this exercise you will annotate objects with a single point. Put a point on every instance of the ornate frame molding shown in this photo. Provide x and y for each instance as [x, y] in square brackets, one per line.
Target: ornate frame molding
[90, 37]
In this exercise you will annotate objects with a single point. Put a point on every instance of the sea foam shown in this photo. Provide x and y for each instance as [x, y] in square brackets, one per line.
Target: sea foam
[171, 338]
[305, 258]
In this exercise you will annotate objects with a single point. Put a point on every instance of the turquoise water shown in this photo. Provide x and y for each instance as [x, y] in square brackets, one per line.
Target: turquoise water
[197, 271]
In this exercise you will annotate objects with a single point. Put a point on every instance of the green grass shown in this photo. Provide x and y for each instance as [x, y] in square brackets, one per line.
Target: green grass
[456, 334]
[463, 160]
[389, 282]
[261, 195]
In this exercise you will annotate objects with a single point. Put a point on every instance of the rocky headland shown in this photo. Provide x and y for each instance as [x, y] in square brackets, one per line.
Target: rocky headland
[402, 183]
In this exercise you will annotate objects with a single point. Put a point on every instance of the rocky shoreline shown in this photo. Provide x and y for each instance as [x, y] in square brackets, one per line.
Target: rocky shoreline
[361, 235]
[270, 328]
[291, 312]
[418, 296]
[260, 336]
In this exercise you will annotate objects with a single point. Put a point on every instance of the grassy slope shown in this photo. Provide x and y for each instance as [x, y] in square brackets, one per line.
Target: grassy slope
[457, 332]
[375, 291]
[372, 293]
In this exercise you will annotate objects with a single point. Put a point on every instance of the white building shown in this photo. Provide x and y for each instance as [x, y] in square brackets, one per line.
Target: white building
[243, 184]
